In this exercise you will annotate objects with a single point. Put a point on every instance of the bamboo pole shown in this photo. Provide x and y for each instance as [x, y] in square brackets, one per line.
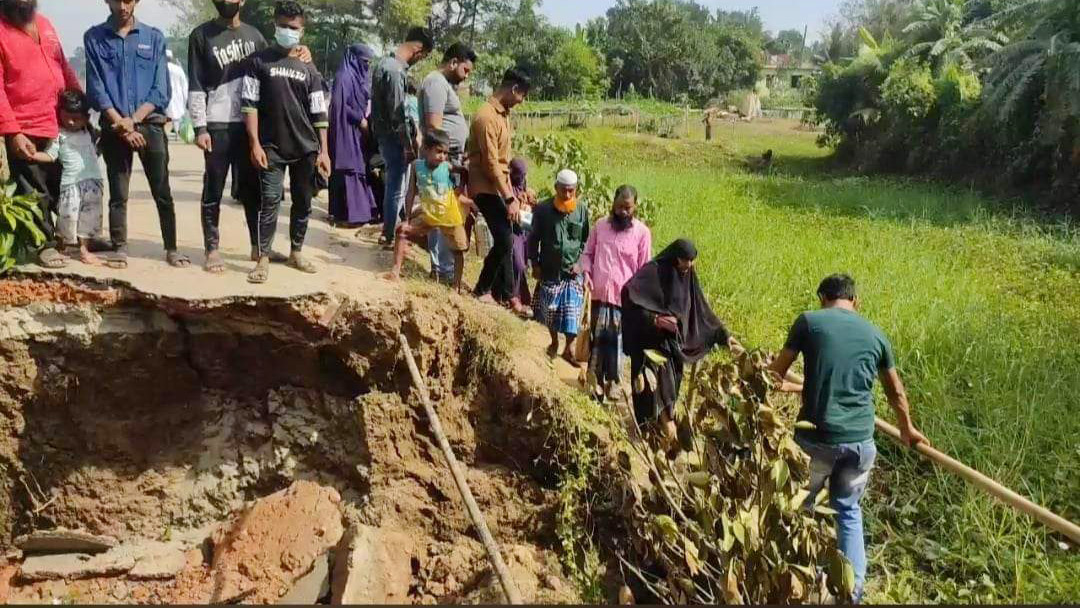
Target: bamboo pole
[503, 573]
[1038, 512]
[984, 483]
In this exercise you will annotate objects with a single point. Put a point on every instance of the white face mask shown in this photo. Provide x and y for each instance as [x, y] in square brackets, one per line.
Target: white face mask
[286, 37]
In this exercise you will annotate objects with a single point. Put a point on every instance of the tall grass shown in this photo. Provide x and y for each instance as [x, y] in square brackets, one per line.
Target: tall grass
[980, 299]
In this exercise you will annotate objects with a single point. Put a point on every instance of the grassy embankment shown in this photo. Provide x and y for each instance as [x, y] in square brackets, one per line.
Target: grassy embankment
[981, 301]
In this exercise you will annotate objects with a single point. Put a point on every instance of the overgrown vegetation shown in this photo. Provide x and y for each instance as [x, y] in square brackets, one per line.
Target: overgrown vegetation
[731, 527]
[983, 91]
[981, 301]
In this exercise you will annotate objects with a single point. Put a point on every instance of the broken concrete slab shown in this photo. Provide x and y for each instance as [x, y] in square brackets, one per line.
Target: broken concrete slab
[312, 586]
[62, 540]
[373, 566]
[76, 565]
[157, 561]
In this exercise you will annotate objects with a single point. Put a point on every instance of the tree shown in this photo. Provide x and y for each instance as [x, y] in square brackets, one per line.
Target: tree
[838, 43]
[787, 42]
[884, 19]
[940, 34]
[676, 49]
[580, 70]
[1038, 75]
[531, 41]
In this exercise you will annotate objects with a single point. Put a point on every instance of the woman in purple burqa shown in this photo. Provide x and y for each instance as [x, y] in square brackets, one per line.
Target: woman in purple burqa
[351, 199]
[519, 181]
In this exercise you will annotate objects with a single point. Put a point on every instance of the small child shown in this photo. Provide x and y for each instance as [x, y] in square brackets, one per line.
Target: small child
[440, 207]
[81, 185]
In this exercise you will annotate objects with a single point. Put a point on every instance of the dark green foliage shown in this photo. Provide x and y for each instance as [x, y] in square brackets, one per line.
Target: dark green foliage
[19, 232]
[957, 98]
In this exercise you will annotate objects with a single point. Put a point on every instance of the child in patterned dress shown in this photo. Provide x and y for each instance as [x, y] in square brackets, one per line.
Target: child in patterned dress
[81, 185]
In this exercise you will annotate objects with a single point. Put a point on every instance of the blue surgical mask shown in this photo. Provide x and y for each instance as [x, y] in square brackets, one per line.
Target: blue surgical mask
[287, 37]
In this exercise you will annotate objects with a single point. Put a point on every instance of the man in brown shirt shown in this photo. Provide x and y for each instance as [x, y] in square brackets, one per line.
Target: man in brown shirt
[488, 151]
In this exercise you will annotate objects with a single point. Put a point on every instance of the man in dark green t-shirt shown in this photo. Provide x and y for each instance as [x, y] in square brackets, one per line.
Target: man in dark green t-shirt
[843, 354]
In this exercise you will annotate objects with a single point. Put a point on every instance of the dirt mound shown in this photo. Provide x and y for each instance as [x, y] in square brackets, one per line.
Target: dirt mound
[270, 546]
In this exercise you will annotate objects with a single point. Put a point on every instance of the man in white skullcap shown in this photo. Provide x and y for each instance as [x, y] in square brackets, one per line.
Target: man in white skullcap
[560, 229]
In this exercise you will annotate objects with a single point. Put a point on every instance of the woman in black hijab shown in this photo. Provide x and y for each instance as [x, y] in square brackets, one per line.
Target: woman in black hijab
[664, 310]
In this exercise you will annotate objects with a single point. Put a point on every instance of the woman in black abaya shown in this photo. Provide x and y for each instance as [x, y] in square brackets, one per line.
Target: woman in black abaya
[664, 310]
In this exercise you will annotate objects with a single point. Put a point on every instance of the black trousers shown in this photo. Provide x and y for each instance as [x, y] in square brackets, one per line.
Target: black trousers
[301, 188]
[154, 157]
[41, 179]
[230, 148]
[497, 275]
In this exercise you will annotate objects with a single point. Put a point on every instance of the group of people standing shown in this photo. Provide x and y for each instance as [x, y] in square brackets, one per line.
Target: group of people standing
[264, 110]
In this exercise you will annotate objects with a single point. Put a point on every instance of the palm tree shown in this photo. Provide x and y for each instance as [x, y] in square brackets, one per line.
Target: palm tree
[939, 32]
[1039, 74]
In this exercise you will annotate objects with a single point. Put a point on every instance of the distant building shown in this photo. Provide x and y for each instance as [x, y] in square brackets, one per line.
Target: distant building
[785, 72]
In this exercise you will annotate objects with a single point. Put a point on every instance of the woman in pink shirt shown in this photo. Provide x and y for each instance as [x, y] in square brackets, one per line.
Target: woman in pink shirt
[618, 247]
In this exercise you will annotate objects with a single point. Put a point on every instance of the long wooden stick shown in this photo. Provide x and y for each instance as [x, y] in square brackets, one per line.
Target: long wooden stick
[984, 483]
[1016, 501]
[505, 581]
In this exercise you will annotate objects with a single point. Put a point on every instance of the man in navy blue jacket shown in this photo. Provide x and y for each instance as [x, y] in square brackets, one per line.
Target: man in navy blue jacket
[127, 80]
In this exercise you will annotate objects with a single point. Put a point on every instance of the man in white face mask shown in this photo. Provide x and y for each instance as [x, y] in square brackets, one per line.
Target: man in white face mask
[216, 53]
[285, 109]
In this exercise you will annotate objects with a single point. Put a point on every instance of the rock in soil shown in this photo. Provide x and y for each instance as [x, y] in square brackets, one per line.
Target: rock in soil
[157, 561]
[62, 540]
[373, 566]
[311, 587]
[271, 545]
[76, 565]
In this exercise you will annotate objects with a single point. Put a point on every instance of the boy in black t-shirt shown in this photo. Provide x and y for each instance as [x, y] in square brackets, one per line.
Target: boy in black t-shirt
[285, 110]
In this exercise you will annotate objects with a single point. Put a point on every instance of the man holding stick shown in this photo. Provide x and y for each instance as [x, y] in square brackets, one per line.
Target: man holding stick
[843, 354]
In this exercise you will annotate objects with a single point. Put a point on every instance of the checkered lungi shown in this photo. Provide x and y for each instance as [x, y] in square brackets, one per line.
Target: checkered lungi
[559, 304]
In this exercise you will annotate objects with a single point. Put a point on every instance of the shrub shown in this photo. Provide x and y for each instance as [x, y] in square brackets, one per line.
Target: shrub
[908, 92]
[19, 232]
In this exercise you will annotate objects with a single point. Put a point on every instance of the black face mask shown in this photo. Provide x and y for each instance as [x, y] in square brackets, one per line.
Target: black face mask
[19, 13]
[621, 223]
[227, 10]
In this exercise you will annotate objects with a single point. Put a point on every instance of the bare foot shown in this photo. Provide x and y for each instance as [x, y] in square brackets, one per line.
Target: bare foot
[214, 264]
[89, 259]
[553, 350]
[393, 277]
[568, 354]
[487, 299]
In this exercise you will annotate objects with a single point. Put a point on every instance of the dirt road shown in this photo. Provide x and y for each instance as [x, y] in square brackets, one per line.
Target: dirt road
[344, 261]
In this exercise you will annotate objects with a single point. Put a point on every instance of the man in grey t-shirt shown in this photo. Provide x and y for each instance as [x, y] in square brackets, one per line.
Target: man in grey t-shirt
[440, 109]
[389, 122]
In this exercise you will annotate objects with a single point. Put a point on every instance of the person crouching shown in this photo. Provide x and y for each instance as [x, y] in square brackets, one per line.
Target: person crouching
[441, 209]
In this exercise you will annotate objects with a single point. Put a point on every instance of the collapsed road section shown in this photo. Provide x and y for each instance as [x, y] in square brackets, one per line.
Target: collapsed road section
[260, 451]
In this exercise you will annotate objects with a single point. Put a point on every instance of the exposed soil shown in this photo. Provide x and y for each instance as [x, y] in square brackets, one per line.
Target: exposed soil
[156, 419]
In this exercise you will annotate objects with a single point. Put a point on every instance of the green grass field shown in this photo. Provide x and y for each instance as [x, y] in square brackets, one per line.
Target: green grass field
[981, 301]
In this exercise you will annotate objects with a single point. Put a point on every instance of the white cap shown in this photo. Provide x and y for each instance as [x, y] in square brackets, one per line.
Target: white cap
[566, 177]
[168, 53]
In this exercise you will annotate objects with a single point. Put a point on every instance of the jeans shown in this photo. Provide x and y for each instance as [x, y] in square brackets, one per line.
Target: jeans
[395, 183]
[442, 258]
[846, 467]
[497, 276]
[301, 188]
[230, 149]
[155, 162]
[41, 179]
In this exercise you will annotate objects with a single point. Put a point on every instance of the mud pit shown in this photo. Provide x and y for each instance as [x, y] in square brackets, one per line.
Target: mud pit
[238, 433]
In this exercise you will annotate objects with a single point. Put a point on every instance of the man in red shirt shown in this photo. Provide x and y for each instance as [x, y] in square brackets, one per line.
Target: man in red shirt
[33, 71]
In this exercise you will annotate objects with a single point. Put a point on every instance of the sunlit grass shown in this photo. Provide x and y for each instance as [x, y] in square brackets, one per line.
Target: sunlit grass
[982, 304]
